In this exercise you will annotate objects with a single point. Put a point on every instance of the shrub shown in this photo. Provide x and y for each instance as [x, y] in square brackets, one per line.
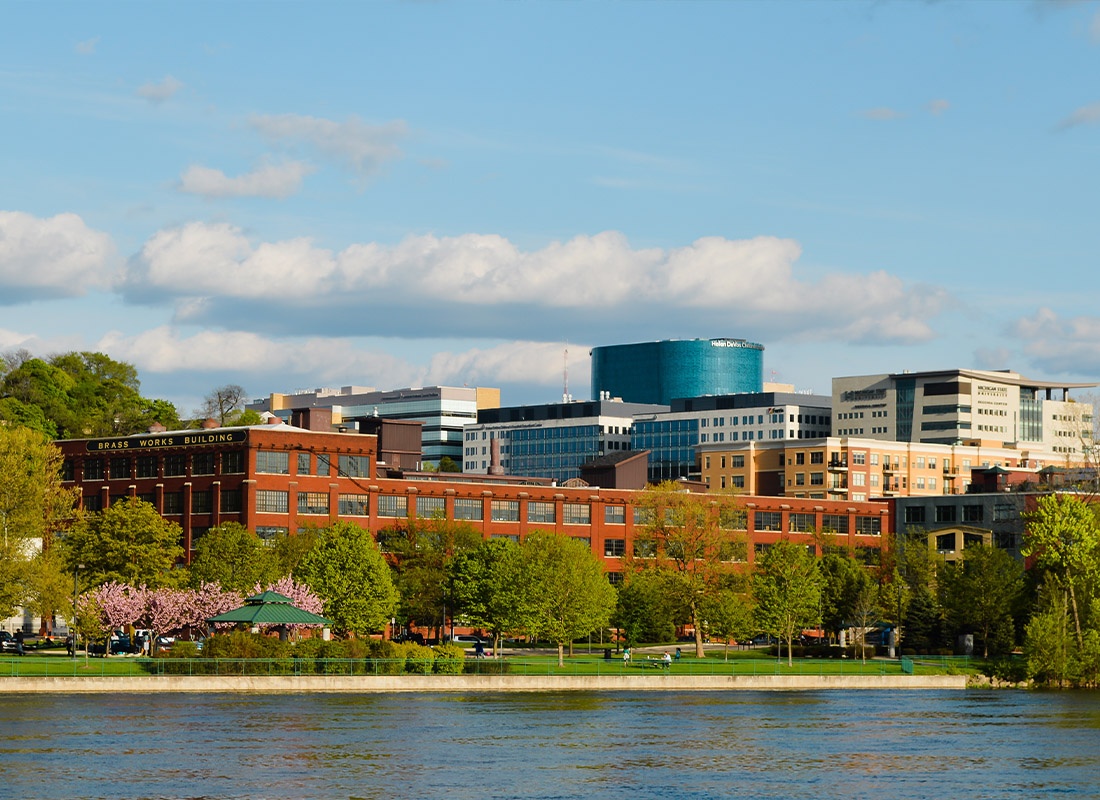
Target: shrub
[448, 659]
[180, 650]
[418, 658]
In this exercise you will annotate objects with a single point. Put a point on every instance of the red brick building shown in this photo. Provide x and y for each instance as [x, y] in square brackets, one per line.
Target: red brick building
[275, 479]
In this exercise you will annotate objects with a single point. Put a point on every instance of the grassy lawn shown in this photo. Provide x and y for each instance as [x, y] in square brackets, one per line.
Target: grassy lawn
[739, 662]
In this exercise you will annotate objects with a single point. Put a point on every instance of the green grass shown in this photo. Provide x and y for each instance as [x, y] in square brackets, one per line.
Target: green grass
[742, 662]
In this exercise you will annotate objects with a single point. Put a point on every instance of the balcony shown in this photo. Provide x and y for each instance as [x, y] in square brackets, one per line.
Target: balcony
[888, 467]
[838, 465]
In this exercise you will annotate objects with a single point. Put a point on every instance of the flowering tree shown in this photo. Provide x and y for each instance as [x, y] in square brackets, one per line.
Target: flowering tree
[168, 610]
[119, 605]
[210, 601]
[300, 595]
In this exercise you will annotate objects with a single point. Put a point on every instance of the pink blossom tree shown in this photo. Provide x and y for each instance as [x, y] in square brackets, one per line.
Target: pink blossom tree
[119, 605]
[300, 595]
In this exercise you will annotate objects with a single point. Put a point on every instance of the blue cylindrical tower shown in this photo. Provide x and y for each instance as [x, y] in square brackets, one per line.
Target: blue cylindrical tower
[658, 372]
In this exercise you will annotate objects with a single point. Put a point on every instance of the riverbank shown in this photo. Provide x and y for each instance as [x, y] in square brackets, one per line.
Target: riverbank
[285, 684]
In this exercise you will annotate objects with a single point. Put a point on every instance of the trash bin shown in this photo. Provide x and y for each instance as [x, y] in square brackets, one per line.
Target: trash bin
[607, 654]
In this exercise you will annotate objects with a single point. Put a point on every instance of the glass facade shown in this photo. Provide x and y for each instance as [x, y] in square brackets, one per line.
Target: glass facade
[556, 452]
[658, 372]
[671, 446]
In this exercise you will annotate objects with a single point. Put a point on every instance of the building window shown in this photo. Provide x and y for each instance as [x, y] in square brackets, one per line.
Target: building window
[737, 462]
[268, 533]
[202, 502]
[93, 502]
[973, 513]
[834, 523]
[800, 523]
[390, 505]
[738, 481]
[859, 479]
[817, 457]
[914, 515]
[354, 466]
[272, 502]
[120, 469]
[541, 513]
[173, 503]
[269, 462]
[303, 463]
[93, 469]
[313, 503]
[230, 501]
[799, 459]
[733, 550]
[576, 514]
[768, 520]
[354, 505]
[817, 478]
[233, 462]
[859, 458]
[430, 508]
[468, 508]
[614, 515]
[175, 465]
[645, 549]
[945, 513]
[202, 464]
[504, 510]
[324, 464]
[614, 548]
[869, 526]
[615, 578]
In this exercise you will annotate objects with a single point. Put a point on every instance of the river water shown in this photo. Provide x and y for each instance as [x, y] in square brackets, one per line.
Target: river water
[858, 744]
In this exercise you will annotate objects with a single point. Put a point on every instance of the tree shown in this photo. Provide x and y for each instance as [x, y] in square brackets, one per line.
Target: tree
[787, 586]
[642, 610]
[224, 404]
[485, 586]
[49, 589]
[686, 538]
[128, 542]
[347, 571]
[843, 580]
[33, 505]
[566, 589]
[1063, 537]
[448, 464]
[235, 557]
[420, 552]
[981, 592]
[729, 615]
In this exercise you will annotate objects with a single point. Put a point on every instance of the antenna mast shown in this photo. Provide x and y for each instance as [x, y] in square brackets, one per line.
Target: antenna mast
[565, 375]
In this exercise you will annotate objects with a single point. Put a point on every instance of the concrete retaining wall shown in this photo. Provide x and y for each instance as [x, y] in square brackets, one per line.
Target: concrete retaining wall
[478, 683]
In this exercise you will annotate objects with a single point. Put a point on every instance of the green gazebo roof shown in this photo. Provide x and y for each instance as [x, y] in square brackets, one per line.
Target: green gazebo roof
[270, 608]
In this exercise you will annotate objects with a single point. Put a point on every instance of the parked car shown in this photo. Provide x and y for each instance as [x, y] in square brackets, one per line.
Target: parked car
[7, 642]
[469, 640]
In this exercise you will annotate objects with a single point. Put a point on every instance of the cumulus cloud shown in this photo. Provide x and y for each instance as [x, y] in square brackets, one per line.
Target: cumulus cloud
[1060, 345]
[484, 286]
[1085, 115]
[50, 258]
[362, 146]
[882, 114]
[87, 47]
[159, 92]
[266, 180]
[316, 361]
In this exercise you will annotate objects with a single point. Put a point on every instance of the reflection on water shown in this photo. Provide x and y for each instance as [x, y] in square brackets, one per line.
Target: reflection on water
[555, 745]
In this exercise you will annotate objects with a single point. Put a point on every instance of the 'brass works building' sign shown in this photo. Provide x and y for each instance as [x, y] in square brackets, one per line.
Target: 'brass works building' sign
[171, 440]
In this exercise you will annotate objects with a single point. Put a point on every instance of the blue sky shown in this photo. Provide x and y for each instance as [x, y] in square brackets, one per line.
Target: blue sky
[291, 195]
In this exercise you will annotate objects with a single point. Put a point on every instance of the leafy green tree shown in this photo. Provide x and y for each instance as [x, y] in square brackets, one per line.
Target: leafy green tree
[128, 542]
[420, 552]
[642, 610]
[485, 585]
[980, 594]
[33, 506]
[235, 557]
[448, 464]
[347, 571]
[290, 550]
[49, 588]
[729, 615]
[686, 539]
[567, 591]
[787, 586]
[1063, 537]
[843, 580]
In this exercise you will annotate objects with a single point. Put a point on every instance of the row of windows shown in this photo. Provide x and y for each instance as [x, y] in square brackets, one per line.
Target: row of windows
[155, 466]
[172, 503]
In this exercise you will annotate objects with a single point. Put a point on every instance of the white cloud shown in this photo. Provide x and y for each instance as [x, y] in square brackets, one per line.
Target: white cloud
[48, 258]
[937, 107]
[478, 285]
[159, 92]
[87, 47]
[363, 147]
[1085, 115]
[266, 180]
[511, 362]
[1054, 344]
